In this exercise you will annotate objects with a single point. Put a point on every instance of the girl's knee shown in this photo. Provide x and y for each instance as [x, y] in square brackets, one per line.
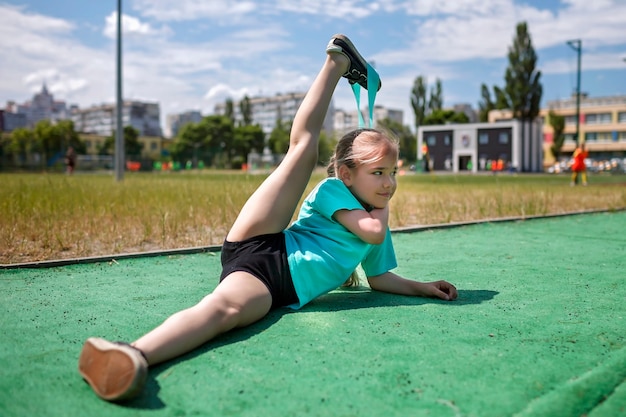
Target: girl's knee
[223, 311]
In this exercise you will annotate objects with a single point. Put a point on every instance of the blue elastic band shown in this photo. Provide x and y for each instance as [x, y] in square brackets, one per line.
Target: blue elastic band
[373, 80]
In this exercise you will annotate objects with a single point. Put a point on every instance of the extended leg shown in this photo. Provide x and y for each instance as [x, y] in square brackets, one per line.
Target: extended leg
[271, 207]
[117, 371]
[239, 300]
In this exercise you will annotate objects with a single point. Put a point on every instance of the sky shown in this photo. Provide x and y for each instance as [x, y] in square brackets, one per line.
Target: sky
[193, 54]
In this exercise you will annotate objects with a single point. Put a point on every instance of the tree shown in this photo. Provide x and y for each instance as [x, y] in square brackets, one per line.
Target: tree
[278, 141]
[326, 147]
[436, 97]
[229, 110]
[69, 136]
[418, 100]
[132, 146]
[47, 139]
[502, 101]
[221, 136]
[190, 140]
[558, 126]
[440, 117]
[408, 143]
[246, 111]
[247, 139]
[211, 137]
[22, 142]
[485, 105]
[523, 88]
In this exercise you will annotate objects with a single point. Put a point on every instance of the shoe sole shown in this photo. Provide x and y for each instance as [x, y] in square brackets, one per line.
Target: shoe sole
[353, 54]
[114, 371]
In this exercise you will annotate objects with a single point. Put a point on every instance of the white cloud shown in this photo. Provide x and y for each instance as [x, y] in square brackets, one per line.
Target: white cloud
[17, 18]
[188, 54]
[130, 26]
[182, 10]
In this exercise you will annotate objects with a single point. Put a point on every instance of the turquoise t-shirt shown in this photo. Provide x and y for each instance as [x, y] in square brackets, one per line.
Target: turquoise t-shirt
[322, 253]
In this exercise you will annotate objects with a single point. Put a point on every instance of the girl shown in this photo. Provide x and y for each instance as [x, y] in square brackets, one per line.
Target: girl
[266, 264]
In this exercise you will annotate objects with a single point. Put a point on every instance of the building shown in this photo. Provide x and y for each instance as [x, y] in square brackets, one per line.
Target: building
[476, 146]
[602, 125]
[153, 146]
[43, 106]
[468, 110]
[346, 121]
[266, 111]
[102, 119]
[10, 121]
[175, 122]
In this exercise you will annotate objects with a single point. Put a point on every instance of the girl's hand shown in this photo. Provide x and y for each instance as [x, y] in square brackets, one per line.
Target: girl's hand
[440, 289]
[395, 284]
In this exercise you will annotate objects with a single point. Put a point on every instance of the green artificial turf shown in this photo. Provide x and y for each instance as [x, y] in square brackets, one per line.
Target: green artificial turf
[538, 330]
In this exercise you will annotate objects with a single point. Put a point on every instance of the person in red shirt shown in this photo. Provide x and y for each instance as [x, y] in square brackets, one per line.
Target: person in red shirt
[579, 167]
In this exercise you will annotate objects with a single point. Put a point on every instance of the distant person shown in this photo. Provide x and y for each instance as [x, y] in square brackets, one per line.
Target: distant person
[267, 263]
[426, 156]
[70, 160]
[578, 167]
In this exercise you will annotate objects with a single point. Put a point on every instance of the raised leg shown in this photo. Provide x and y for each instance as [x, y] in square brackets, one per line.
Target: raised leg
[271, 207]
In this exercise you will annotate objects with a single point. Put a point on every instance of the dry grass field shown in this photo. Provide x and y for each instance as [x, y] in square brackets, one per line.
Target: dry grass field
[54, 216]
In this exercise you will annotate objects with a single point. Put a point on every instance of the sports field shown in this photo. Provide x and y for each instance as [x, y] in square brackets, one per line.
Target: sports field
[537, 330]
[53, 216]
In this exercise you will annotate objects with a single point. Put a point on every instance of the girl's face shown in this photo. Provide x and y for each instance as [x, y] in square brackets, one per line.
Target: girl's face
[372, 183]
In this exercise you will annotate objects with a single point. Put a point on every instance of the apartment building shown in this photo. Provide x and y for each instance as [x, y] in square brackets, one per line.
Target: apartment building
[602, 125]
[42, 106]
[346, 121]
[175, 122]
[102, 119]
[266, 111]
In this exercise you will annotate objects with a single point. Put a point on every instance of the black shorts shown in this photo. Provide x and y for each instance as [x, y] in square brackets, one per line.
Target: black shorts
[265, 257]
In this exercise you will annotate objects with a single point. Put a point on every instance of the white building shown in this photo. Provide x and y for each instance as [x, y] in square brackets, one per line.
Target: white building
[175, 122]
[102, 119]
[474, 146]
[346, 121]
[43, 106]
[267, 110]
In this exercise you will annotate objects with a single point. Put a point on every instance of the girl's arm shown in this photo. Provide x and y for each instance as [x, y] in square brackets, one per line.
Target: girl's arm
[395, 284]
[370, 226]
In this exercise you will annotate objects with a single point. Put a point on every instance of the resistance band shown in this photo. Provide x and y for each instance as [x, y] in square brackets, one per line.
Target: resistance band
[373, 80]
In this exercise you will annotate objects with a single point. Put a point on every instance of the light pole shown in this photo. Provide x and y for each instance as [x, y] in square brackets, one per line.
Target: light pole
[119, 107]
[576, 44]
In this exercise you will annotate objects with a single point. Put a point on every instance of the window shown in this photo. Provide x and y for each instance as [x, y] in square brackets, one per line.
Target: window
[446, 140]
[621, 117]
[503, 138]
[598, 118]
[569, 137]
[570, 120]
[591, 136]
[153, 146]
[431, 140]
[483, 139]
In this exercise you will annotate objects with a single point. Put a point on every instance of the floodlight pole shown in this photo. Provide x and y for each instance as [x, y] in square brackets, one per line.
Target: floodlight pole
[576, 44]
[119, 107]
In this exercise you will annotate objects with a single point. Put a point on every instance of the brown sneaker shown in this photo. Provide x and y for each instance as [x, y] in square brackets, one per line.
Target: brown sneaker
[115, 371]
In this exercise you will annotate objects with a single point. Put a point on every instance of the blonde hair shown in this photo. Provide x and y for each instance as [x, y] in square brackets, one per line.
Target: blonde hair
[358, 147]
[361, 146]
